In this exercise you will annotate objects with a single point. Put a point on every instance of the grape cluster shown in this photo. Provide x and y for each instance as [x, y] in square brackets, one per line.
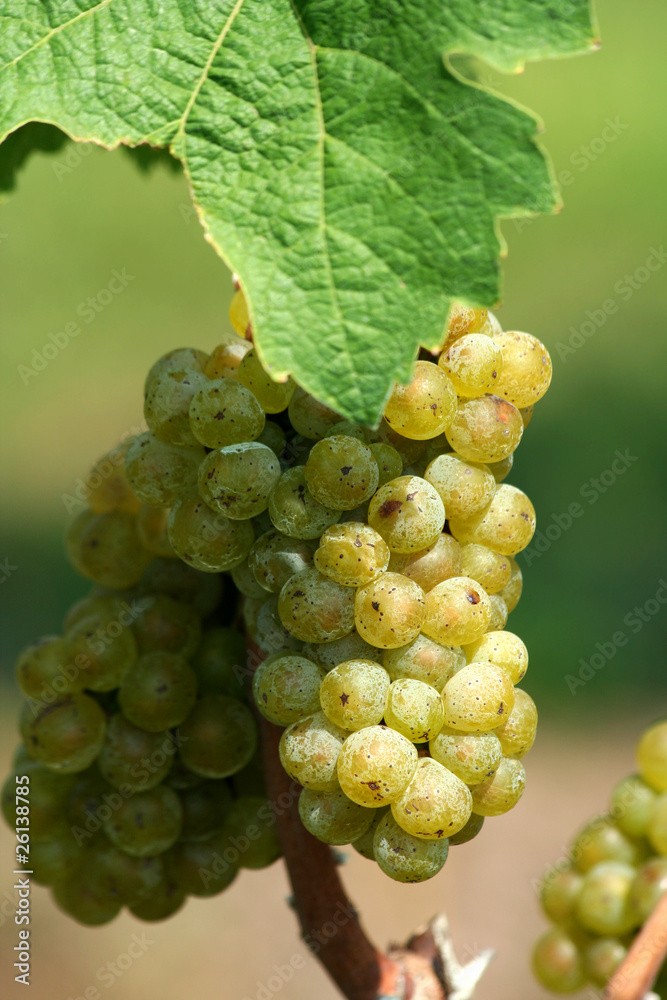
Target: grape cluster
[373, 570]
[598, 897]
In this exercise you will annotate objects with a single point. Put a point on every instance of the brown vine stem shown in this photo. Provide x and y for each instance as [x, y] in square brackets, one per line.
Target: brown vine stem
[636, 974]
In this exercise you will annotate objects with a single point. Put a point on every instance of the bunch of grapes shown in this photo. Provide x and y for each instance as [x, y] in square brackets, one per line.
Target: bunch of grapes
[615, 872]
[370, 570]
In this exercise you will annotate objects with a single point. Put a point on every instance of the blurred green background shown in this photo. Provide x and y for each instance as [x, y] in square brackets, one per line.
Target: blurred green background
[81, 214]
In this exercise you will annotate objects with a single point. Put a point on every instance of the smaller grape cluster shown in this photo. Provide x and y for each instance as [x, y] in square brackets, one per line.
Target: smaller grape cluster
[615, 872]
[143, 784]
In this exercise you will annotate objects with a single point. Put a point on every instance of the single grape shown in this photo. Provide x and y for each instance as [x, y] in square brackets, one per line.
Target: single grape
[44, 670]
[457, 611]
[113, 874]
[224, 412]
[167, 625]
[181, 359]
[309, 417]
[273, 436]
[632, 805]
[511, 592]
[270, 634]
[330, 654]
[468, 832]
[159, 692]
[106, 484]
[526, 371]
[152, 529]
[425, 660]
[66, 735]
[498, 613]
[603, 902]
[559, 894]
[220, 663]
[390, 611]
[414, 709]
[202, 591]
[275, 557]
[294, 511]
[517, 732]
[316, 609]
[239, 314]
[105, 548]
[648, 886]
[504, 649]
[250, 831]
[227, 356]
[332, 817]
[309, 750]
[287, 688]
[652, 756]
[159, 472]
[424, 407]
[501, 470]
[102, 650]
[147, 823]
[490, 569]
[375, 766]
[478, 698]
[238, 479]
[341, 472]
[364, 844]
[90, 800]
[354, 694]
[388, 461]
[459, 320]
[219, 737]
[408, 513]
[602, 958]
[406, 858]
[501, 792]
[485, 429]
[352, 554]
[473, 364]
[472, 757]
[167, 404]
[432, 565]
[75, 897]
[206, 539]
[507, 525]
[435, 804]
[601, 840]
[109, 605]
[132, 758]
[162, 903]
[200, 868]
[205, 809]
[273, 396]
[557, 962]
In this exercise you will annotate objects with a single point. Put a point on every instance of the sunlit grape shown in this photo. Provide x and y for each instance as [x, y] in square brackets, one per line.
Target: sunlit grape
[424, 407]
[354, 694]
[435, 804]
[406, 858]
[485, 429]
[457, 611]
[526, 371]
[238, 479]
[341, 472]
[408, 513]
[390, 611]
[478, 698]
[352, 554]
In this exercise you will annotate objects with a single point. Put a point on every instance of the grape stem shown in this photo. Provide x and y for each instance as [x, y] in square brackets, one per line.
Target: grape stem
[637, 972]
[424, 969]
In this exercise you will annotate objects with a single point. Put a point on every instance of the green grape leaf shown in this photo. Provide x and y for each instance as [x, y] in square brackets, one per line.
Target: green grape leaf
[339, 165]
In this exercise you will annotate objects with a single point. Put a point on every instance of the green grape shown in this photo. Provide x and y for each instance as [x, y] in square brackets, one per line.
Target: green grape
[109, 605]
[238, 479]
[205, 809]
[330, 654]
[473, 363]
[220, 663]
[601, 840]
[181, 359]
[352, 554]
[310, 418]
[459, 321]
[472, 757]
[526, 371]
[250, 830]
[424, 407]
[309, 750]
[657, 827]
[105, 548]
[414, 709]
[390, 611]
[526, 414]
[504, 649]
[511, 592]
[648, 886]
[164, 624]
[113, 874]
[501, 792]
[388, 461]
[106, 484]
[432, 565]
[559, 894]
[162, 903]
[239, 314]
[88, 803]
[478, 698]
[375, 766]
[201, 591]
[224, 412]
[147, 823]
[102, 650]
[206, 539]
[287, 689]
[425, 660]
[517, 732]
[501, 470]
[273, 396]
[408, 513]
[44, 670]
[227, 356]
[350, 429]
[250, 612]
[275, 557]
[202, 868]
[354, 694]
[133, 759]
[270, 634]
[273, 436]
[457, 611]
[652, 756]
[75, 897]
[468, 832]
[490, 569]
[168, 401]
[632, 804]
[364, 844]
[219, 737]
[55, 859]
[159, 692]
[408, 449]
[159, 472]
[294, 511]
[406, 858]
[245, 582]
[66, 735]
[434, 805]
[498, 613]
[507, 525]
[603, 902]
[602, 958]
[485, 429]
[341, 472]
[557, 962]
[332, 817]
[48, 796]
[152, 525]
[314, 608]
